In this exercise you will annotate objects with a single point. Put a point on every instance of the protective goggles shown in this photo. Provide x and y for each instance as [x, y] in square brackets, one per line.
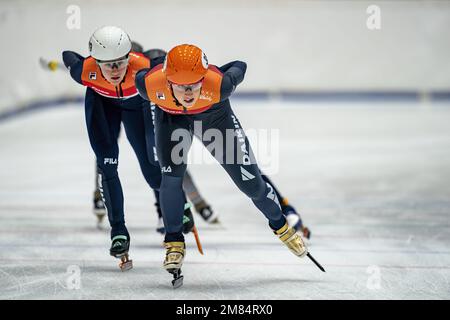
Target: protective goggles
[186, 87]
[110, 65]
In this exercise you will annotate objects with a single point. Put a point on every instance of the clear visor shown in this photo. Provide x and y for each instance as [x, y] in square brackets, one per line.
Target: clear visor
[186, 87]
[116, 64]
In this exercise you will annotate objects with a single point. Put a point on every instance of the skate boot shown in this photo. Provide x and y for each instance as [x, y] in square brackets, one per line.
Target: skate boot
[206, 212]
[292, 240]
[175, 252]
[188, 219]
[99, 208]
[294, 220]
[119, 249]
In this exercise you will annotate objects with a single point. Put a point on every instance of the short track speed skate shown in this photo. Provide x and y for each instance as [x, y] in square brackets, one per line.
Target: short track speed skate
[119, 249]
[207, 213]
[295, 243]
[175, 252]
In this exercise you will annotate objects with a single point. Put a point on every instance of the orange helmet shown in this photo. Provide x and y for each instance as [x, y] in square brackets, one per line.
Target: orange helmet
[185, 64]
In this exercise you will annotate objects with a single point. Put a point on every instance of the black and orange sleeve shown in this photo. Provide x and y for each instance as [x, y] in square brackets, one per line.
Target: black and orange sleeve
[140, 83]
[74, 63]
[233, 75]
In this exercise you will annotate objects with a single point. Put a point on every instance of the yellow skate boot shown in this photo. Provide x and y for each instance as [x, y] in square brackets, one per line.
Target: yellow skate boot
[175, 252]
[292, 240]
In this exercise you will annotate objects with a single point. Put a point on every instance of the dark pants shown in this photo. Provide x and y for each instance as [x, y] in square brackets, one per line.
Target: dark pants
[103, 119]
[174, 134]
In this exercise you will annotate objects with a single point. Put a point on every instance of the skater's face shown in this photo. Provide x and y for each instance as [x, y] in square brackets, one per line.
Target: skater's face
[187, 95]
[114, 71]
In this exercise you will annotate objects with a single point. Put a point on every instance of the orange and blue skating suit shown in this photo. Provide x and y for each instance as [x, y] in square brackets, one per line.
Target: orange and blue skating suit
[107, 108]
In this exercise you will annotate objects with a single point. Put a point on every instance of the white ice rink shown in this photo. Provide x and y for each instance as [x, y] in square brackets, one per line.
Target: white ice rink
[372, 182]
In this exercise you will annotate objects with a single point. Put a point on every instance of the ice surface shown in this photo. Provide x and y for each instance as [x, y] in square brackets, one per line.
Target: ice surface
[371, 181]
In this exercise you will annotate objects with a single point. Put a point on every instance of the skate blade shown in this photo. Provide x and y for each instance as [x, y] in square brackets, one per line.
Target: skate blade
[125, 266]
[177, 282]
[215, 221]
[100, 213]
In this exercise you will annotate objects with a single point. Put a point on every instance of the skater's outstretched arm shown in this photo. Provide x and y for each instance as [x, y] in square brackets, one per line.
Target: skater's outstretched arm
[74, 62]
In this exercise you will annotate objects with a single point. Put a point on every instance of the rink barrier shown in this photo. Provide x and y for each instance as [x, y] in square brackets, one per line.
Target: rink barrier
[289, 96]
[38, 106]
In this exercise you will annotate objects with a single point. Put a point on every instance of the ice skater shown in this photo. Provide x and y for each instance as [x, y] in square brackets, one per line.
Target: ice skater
[192, 99]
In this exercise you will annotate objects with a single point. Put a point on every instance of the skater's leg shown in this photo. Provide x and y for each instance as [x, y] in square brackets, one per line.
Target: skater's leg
[103, 125]
[191, 189]
[292, 216]
[96, 180]
[149, 118]
[99, 206]
[135, 124]
[237, 159]
[157, 203]
[277, 192]
[160, 224]
[200, 204]
[245, 173]
[172, 155]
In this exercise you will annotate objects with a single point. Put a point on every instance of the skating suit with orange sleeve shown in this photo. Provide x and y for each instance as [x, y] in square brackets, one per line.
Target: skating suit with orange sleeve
[218, 85]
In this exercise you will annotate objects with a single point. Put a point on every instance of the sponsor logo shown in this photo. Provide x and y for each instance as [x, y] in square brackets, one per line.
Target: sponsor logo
[160, 96]
[241, 138]
[93, 75]
[246, 175]
[110, 161]
[166, 169]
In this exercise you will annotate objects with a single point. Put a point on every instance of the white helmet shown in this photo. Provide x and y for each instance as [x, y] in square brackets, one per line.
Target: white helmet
[109, 43]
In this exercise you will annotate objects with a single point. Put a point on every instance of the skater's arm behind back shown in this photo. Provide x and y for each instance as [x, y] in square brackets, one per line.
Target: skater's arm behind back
[233, 75]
